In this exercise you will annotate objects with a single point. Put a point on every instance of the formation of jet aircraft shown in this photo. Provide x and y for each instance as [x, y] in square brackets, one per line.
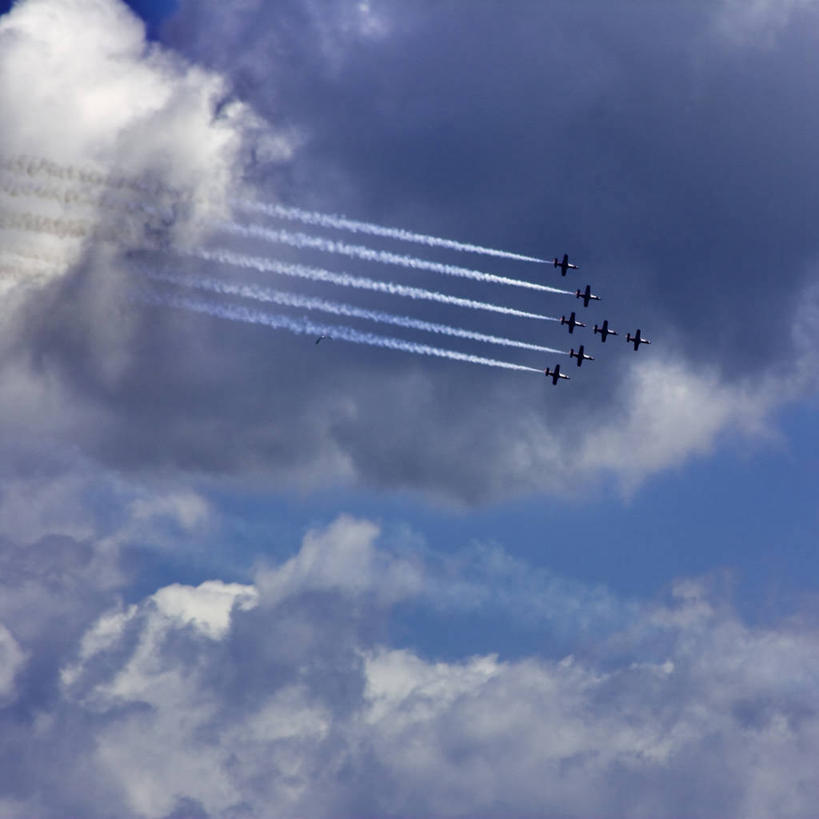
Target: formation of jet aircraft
[603, 330]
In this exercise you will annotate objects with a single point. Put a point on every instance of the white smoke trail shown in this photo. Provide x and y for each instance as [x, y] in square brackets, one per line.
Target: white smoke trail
[38, 166]
[329, 220]
[303, 240]
[304, 326]
[105, 230]
[295, 300]
[36, 223]
[65, 196]
[264, 265]
[73, 196]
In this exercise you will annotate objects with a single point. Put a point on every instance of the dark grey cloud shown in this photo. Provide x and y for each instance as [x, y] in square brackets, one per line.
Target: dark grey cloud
[674, 160]
[669, 152]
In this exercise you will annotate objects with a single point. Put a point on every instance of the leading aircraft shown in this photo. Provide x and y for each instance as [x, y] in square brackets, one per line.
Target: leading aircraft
[580, 355]
[572, 322]
[586, 295]
[565, 264]
[604, 331]
[555, 374]
[636, 339]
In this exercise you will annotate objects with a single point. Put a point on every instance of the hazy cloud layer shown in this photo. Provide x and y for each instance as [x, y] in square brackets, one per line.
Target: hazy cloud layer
[674, 161]
[223, 699]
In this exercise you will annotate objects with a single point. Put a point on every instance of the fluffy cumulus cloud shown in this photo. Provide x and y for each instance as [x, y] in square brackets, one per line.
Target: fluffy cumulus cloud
[616, 143]
[235, 699]
[119, 102]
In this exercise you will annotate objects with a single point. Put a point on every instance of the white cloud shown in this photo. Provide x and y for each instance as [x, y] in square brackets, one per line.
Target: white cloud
[203, 698]
[208, 606]
[125, 110]
[670, 412]
[228, 698]
[341, 558]
[119, 102]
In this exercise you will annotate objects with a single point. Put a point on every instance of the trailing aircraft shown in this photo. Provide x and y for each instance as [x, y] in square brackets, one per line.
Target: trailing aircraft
[636, 339]
[565, 264]
[586, 295]
[555, 374]
[572, 322]
[604, 331]
[580, 355]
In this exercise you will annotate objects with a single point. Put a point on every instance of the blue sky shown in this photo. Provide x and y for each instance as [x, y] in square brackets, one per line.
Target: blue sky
[238, 569]
[748, 515]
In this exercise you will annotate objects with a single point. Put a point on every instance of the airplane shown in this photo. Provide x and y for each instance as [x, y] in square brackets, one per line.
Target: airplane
[572, 322]
[555, 374]
[565, 264]
[580, 355]
[636, 339]
[586, 295]
[321, 338]
[604, 331]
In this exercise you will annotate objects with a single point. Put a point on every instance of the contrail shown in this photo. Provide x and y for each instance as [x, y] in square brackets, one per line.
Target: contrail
[279, 297]
[303, 240]
[64, 228]
[304, 326]
[264, 265]
[330, 220]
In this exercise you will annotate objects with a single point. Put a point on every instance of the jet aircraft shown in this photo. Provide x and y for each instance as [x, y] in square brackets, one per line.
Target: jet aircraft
[580, 355]
[565, 264]
[572, 322]
[321, 338]
[555, 374]
[636, 339]
[586, 295]
[604, 331]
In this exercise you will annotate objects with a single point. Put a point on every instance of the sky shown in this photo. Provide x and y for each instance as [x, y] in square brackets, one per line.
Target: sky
[247, 574]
